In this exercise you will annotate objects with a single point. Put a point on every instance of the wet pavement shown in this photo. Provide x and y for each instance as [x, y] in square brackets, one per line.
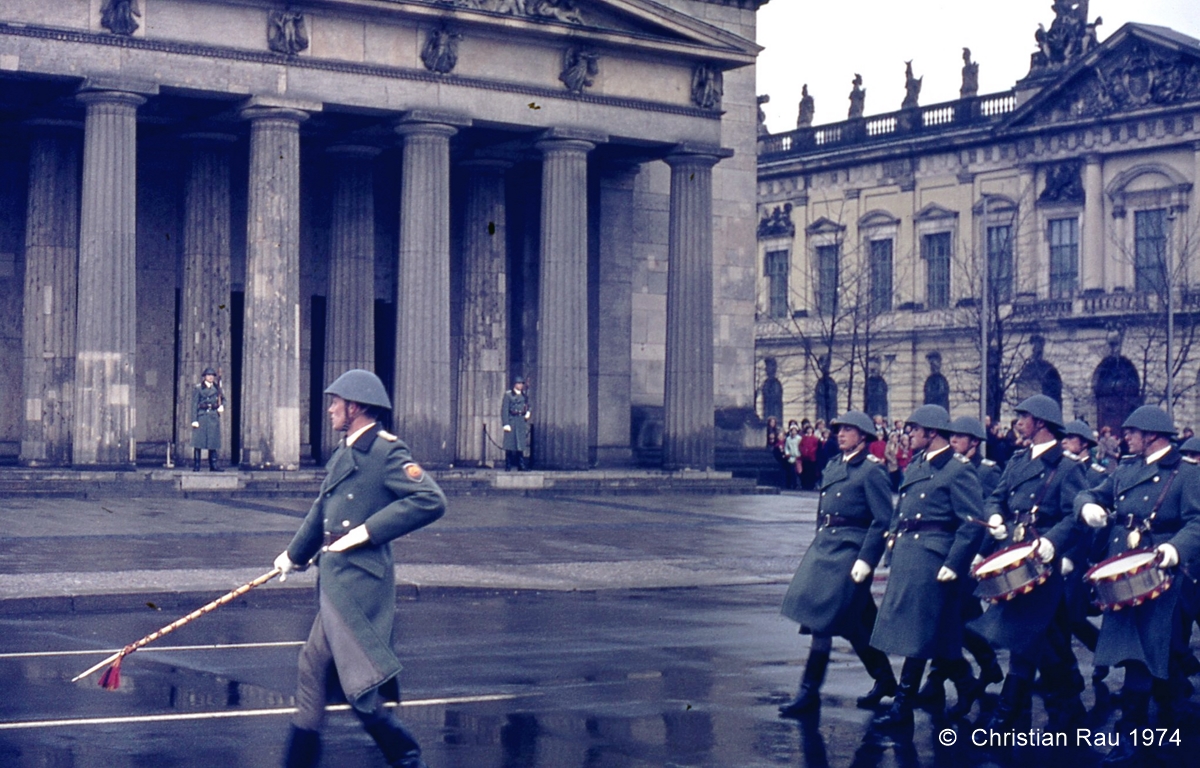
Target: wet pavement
[535, 632]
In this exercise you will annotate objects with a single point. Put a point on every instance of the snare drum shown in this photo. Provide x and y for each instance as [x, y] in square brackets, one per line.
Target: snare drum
[1128, 580]
[1012, 571]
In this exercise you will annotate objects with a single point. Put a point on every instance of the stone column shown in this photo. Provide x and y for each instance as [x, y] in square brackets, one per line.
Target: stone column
[204, 319]
[423, 381]
[350, 306]
[483, 360]
[271, 347]
[560, 391]
[688, 427]
[614, 364]
[51, 261]
[1092, 257]
[106, 334]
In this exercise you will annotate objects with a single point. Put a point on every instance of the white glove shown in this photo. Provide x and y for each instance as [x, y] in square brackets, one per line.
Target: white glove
[1168, 556]
[195, 425]
[1044, 549]
[996, 527]
[1067, 566]
[1094, 515]
[284, 564]
[508, 428]
[945, 574]
[353, 538]
[220, 409]
[528, 415]
[975, 561]
[860, 571]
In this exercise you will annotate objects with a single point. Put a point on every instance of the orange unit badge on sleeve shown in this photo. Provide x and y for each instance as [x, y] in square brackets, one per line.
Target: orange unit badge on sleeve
[414, 471]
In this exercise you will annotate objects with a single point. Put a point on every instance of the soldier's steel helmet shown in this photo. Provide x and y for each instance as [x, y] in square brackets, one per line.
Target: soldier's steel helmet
[1042, 407]
[1191, 445]
[209, 371]
[1080, 428]
[969, 426]
[931, 417]
[360, 386]
[857, 419]
[1149, 418]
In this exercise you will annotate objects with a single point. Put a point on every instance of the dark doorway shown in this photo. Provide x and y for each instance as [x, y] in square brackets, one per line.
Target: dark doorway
[1115, 384]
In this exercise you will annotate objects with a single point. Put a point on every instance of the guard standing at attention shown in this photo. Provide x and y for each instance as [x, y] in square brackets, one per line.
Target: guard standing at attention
[514, 412]
[208, 403]
[934, 534]
[831, 591]
[373, 492]
[1151, 502]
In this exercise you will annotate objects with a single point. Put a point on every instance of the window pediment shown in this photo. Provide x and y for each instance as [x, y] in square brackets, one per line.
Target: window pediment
[825, 226]
[935, 212]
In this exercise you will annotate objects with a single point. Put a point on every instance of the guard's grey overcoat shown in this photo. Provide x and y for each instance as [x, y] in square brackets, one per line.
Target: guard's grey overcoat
[374, 482]
[821, 597]
[919, 616]
[205, 401]
[1145, 633]
[512, 413]
[1050, 481]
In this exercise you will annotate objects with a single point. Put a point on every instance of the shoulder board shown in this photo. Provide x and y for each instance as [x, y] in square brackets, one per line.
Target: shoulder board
[1071, 455]
[987, 462]
[1098, 467]
[384, 434]
[1188, 459]
[873, 458]
[962, 459]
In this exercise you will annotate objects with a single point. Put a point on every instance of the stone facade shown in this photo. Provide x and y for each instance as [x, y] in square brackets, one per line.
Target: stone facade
[1077, 187]
[452, 193]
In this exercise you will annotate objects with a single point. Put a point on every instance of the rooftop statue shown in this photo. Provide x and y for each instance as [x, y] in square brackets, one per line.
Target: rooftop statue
[807, 109]
[1069, 37]
[912, 87]
[858, 98]
[970, 76]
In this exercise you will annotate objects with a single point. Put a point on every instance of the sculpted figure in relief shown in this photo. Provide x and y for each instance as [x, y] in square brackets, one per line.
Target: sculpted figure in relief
[579, 67]
[707, 87]
[120, 17]
[286, 32]
[440, 52]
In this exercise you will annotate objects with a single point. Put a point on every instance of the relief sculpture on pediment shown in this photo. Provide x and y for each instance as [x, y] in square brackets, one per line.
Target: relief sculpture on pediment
[440, 52]
[566, 11]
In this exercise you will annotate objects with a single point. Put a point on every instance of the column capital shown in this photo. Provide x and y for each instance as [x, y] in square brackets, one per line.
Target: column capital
[126, 98]
[353, 151]
[697, 154]
[108, 84]
[1093, 158]
[425, 122]
[283, 114]
[563, 137]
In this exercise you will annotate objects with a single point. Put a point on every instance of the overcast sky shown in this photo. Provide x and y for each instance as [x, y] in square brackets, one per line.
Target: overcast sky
[824, 42]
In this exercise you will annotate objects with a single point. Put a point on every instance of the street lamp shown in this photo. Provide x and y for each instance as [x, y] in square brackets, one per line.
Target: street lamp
[1168, 258]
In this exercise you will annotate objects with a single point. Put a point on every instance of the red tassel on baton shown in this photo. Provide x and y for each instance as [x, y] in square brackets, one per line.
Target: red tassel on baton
[111, 678]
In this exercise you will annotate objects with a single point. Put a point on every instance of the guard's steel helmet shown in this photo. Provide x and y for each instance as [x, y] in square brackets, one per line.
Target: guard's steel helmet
[857, 419]
[931, 417]
[969, 426]
[360, 386]
[1080, 428]
[1042, 407]
[1149, 418]
[1191, 445]
[209, 371]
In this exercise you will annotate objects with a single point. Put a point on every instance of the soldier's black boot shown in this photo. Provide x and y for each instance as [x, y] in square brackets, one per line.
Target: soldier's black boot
[400, 749]
[1016, 698]
[808, 699]
[879, 668]
[968, 688]
[1135, 715]
[303, 748]
[932, 696]
[899, 716]
[1063, 705]
[985, 656]
[212, 462]
[196, 459]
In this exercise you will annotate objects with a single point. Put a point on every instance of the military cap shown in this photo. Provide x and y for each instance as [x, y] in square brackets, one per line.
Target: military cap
[1080, 428]
[1191, 445]
[968, 425]
[1149, 418]
[1042, 407]
[518, 380]
[931, 417]
[360, 386]
[209, 371]
[857, 419]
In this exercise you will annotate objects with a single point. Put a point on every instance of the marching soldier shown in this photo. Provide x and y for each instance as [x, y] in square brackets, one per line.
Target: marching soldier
[1151, 503]
[1033, 504]
[208, 403]
[514, 412]
[373, 492]
[1078, 440]
[831, 591]
[934, 534]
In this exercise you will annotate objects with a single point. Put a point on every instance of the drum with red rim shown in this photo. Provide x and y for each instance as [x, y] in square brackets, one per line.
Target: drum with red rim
[1127, 580]
[1012, 571]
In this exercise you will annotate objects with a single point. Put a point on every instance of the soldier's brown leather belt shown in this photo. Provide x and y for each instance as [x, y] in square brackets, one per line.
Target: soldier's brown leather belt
[332, 537]
[920, 526]
[837, 521]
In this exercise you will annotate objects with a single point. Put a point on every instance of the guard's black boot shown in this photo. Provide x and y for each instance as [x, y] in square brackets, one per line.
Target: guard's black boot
[985, 657]
[196, 459]
[899, 716]
[303, 748]
[932, 696]
[1135, 715]
[1016, 697]
[808, 699]
[879, 668]
[399, 748]
[968, 688]
[1063, 706]
[212, 462]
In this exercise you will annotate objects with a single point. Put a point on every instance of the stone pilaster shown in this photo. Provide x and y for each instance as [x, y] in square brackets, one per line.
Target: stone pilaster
[105, 334]
[483, 359]
[688, 428]
[1092, 258]
[51, 261]
[271, 348]
[423, 380]
[560, 391]
[350, 306]
[204, 318]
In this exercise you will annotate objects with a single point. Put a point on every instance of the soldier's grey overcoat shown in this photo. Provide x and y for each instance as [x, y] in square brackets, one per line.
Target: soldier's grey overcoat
[919, 616]
[374, 482]
[512, 414]
[821, 597]
[205, 400]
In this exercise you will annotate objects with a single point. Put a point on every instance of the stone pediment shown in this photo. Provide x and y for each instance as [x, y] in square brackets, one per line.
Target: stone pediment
[636, 23]
[1138, 68]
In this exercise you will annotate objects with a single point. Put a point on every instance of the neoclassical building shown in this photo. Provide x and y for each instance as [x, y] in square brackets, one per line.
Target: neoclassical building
[1059, 218]
[449, 192]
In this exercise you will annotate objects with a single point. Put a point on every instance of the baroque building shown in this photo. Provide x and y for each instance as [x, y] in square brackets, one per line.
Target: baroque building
[452, 193]
[1058, 220]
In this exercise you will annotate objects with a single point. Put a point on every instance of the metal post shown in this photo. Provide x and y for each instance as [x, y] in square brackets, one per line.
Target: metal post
[983, 325]
[1170, 275]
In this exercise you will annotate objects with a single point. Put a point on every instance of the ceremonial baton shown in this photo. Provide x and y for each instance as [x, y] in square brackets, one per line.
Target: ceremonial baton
[111, 679]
